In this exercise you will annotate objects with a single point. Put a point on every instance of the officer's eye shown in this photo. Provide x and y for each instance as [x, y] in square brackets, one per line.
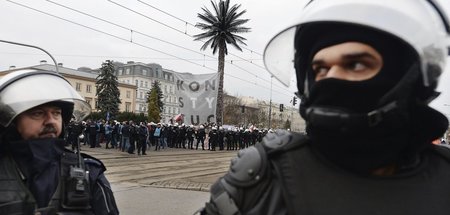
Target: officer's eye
[36, 114]
[356, 66]
[320, 71]
[57, 113]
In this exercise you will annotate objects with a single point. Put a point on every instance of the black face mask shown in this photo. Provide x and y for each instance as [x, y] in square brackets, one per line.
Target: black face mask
[359, 148]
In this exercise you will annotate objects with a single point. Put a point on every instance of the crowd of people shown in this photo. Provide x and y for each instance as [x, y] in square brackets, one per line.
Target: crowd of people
[132, 137]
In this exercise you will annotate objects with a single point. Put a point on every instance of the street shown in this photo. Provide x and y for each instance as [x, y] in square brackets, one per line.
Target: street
[170, 181]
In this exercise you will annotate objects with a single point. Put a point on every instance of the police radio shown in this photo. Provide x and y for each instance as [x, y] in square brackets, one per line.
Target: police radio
[76, 184]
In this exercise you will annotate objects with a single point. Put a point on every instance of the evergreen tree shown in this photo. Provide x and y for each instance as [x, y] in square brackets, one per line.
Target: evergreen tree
[156, 85]
[221, 28]
[154, 113]
[108, 93]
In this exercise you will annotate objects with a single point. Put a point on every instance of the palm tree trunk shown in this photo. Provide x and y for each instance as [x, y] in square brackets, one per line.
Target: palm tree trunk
[219, 107]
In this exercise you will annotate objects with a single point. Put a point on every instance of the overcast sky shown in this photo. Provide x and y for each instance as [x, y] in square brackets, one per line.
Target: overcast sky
[152, 31]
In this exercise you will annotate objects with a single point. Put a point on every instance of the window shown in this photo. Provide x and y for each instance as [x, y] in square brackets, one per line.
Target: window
[142, 83]
[156, 73]
[170, 109]
[137, 83]
[170, 89]
[141, 95]
[144, 72]
[146, 84]
[127, 71]
[165, 110]
[78, 87]
[128, 94]
[120, 71]
[165, 89]
[88, 88]
[127, 106]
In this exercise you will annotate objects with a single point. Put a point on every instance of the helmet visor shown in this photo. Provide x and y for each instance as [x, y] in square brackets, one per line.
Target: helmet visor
[279, 56]
[35, 88]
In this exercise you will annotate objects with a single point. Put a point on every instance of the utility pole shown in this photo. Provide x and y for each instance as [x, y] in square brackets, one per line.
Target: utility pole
[270, 103]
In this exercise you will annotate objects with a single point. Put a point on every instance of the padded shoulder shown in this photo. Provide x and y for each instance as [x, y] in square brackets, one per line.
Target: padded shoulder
[251, 164]
[248, 167]
[282, 140]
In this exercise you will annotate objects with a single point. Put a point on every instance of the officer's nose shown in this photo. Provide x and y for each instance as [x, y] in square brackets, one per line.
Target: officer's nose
[51, 117]
[335, 71]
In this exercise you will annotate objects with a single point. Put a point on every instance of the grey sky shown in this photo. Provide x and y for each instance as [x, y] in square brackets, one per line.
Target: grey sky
[76, 46]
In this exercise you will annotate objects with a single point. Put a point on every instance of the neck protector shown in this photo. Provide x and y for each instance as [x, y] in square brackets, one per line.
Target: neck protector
[39, 160]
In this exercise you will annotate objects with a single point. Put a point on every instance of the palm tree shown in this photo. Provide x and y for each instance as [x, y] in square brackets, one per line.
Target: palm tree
[221, 29]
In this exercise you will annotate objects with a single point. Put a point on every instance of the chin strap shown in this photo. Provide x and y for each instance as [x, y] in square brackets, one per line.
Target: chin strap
[331, 118]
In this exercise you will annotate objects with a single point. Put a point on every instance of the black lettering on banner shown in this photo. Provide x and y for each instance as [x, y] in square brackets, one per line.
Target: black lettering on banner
[209, 118]
[192, 120]
[180, 85]
[180, 100]
[196, 86]
[212, 85]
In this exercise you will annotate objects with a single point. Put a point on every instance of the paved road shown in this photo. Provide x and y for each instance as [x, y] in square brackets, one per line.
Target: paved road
[170, 181]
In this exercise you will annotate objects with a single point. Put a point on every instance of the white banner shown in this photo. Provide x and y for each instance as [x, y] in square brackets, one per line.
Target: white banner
[197, 97]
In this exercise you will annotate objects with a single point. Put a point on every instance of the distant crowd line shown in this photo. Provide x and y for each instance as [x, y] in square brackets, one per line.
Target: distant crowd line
[132, 137]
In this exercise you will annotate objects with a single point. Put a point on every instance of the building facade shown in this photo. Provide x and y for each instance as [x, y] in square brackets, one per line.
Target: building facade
[142, 76]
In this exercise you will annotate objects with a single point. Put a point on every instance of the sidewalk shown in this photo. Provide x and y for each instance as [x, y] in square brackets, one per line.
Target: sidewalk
[136, 200]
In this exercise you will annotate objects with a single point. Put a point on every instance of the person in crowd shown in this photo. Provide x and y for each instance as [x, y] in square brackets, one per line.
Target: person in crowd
[125, 143]
[156, 136]
[74, 129]
[115, 134]
[190, 133]
[133, 137]
[142, 139]
[92, 128]
[201, 137]
[366, 72]
[108, 134]
[213, 138]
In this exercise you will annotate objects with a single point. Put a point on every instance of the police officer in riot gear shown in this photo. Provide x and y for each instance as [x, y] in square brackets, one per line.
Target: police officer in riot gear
[40, 176]
[366, 71]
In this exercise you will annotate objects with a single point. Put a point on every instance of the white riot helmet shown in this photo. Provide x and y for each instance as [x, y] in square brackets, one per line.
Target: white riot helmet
[24, 89]
[420, 23]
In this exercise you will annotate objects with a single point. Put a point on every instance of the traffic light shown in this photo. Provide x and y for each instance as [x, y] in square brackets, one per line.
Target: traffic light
[294, 101]
[281, 107]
